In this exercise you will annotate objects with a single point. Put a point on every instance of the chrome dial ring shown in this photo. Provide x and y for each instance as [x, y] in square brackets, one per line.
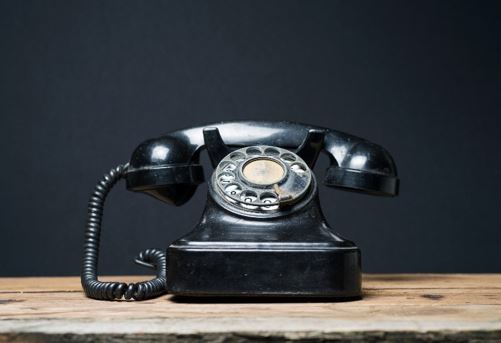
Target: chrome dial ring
[261, 178]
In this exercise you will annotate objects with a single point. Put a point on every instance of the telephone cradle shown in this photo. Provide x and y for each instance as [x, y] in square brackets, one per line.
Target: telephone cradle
[262, 232]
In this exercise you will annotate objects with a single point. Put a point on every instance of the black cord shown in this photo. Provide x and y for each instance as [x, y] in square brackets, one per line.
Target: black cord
[152, 258]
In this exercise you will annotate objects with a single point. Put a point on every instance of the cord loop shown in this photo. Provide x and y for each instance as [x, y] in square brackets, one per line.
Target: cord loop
[152, 258]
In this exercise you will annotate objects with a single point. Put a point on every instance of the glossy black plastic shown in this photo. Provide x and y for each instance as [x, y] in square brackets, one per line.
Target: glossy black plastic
[296, 254]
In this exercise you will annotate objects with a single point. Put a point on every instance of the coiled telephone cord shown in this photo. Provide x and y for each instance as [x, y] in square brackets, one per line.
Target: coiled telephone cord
[152, 258]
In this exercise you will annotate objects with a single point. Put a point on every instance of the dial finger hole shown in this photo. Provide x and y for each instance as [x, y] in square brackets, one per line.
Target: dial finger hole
[226, 178]
[298, 168]
[253, 151]
[233, 189]
[237, 156]
[248, 196]
[228, 167]
[271, 152]
[268, 198]
[287, 157]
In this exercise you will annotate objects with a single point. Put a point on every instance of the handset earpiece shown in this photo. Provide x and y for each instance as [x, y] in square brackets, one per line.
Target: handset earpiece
[166, 168]
[361, 166]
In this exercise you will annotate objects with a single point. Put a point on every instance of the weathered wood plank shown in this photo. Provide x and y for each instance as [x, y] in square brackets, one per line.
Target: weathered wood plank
[376, 281]
[415, 307]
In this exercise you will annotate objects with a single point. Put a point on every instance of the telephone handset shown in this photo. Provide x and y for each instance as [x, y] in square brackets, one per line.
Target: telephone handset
[262, 232]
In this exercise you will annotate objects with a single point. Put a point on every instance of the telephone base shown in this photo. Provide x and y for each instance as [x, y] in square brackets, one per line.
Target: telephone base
[280, 271]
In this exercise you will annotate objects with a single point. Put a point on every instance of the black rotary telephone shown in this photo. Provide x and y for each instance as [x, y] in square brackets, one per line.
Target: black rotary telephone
[262, 232]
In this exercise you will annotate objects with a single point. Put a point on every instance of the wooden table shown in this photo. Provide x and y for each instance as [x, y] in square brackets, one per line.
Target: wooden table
[396, 307]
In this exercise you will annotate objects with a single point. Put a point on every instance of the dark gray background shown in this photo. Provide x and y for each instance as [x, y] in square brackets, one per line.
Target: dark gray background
[83, 82]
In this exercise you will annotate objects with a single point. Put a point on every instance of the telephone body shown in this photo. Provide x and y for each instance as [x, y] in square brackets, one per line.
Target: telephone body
[262, 232]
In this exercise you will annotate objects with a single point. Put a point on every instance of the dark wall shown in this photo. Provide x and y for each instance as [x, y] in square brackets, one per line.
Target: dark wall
[83, 82]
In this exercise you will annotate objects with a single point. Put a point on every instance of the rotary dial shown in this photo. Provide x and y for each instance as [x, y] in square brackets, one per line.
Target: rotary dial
[262, 178]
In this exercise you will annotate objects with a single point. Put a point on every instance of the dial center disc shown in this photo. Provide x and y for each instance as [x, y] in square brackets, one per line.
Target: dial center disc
[263, 171]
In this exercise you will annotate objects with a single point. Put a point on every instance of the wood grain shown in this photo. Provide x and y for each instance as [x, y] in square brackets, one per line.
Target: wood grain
[395, 307]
